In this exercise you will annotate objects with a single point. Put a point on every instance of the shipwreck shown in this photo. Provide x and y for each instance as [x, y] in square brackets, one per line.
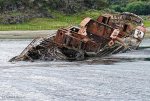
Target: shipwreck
[109, 34]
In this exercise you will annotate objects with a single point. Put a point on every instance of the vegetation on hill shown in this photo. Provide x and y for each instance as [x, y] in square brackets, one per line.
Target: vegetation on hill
[140, 7]
[60, 20]
[73, 6]
[52, 14]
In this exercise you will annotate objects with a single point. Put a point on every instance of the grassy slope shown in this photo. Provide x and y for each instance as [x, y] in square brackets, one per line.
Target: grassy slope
[60, 20]
[147, 23]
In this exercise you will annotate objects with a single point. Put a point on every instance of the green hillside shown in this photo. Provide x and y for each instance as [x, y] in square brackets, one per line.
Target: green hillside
[53, 14]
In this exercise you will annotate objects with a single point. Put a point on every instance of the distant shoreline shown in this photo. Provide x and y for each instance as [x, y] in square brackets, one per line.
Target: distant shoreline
[34, 34]
[25, 34]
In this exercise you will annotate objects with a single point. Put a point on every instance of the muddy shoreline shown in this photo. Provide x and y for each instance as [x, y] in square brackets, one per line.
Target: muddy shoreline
[34, 34]
[25, 34]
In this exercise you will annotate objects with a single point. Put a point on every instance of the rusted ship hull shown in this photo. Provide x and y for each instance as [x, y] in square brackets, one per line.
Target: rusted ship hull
[109, 34]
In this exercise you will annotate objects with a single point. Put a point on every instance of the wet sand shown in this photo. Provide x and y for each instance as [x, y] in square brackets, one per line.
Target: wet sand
[24, 34]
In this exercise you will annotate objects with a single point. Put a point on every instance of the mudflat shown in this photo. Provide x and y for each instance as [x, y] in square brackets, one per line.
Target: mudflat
[25, 34]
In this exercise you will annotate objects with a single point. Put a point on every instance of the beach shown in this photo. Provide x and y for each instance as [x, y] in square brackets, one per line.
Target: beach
[25, 34]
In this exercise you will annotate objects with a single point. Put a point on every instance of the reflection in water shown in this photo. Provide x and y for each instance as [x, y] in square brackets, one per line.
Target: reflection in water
[142, 54]
[147, 59]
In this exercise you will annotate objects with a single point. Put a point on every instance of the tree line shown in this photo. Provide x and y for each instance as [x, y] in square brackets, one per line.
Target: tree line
[141, 7]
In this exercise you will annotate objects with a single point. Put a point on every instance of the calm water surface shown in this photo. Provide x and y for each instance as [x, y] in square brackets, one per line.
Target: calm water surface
[121, 77]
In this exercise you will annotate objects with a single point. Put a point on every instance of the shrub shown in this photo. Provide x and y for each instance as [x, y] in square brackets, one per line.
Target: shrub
[117, 8]
[140, 8]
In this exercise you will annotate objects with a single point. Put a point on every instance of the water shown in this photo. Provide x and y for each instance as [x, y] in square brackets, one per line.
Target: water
[120, 77]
